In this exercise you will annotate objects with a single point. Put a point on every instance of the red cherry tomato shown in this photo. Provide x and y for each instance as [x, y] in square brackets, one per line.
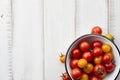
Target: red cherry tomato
[94, 78]
[97, 51]
[76, 73]
[76, 53]
[109, 67]
[96, 30]
[74, 63]
[84, 46]
[88, 56]
[100, 71]
[65, 76]
[96, 44]
[91, 60]
[106, 58]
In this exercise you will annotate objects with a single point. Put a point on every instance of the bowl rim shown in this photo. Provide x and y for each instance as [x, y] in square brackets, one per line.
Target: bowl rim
[84, 36]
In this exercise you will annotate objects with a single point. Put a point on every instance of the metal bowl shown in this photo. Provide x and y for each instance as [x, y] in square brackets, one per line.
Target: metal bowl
[90, 38]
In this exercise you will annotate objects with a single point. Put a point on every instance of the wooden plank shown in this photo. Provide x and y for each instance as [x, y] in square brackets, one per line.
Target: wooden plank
[28, 40]
[5, 40]
[89, 14]
[59, 32]
[115, 22]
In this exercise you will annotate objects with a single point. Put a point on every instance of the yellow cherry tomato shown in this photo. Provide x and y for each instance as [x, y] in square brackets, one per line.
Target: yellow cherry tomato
[84, 77]
[98, 60]
[82, 63]
[88, 68]
[106, 48]
[109, 36]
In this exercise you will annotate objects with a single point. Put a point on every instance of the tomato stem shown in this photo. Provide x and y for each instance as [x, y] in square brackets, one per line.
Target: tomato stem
[100, 71]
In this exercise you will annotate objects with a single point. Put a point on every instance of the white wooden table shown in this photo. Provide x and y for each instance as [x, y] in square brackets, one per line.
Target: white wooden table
[64, 23]
[45, 28]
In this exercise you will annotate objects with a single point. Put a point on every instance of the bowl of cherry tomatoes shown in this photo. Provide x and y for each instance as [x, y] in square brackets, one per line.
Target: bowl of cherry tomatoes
[92, 57]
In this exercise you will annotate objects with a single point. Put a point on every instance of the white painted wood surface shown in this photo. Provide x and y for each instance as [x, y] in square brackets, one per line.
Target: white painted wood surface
[28, 40]
[90, 14]
[45, 28]
[59, 32]
[5, 41]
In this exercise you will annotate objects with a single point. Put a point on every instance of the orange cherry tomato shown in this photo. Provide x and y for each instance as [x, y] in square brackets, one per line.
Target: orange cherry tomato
[84, 77]
[106, 48]
[82, 63]
[98, 60]
[62, 58]
[88, 68]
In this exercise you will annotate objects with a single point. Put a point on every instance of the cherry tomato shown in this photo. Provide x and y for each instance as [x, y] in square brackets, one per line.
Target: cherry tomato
[96, 30]
[94, 78]
[91, 60]
[88, 68]
[106, 58]
[97, 51]
[76, 73]
[98, 60]
[62, 58]
[76, 53]
[74, 63]
[96, 44]
[109, 36]
[106, 48]
[84, 46]
[109, 67]
[65, 76]
[100, 71]
[111, 55]
[82, 63]
[84, 77]
[88, 56]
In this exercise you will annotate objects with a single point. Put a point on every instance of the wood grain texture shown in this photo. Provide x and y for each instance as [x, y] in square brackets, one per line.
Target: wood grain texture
[45, 28]
[115, 22]
[59, 33]
[5, 41]
[90, 14]
[60, 29]
[28, 40]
